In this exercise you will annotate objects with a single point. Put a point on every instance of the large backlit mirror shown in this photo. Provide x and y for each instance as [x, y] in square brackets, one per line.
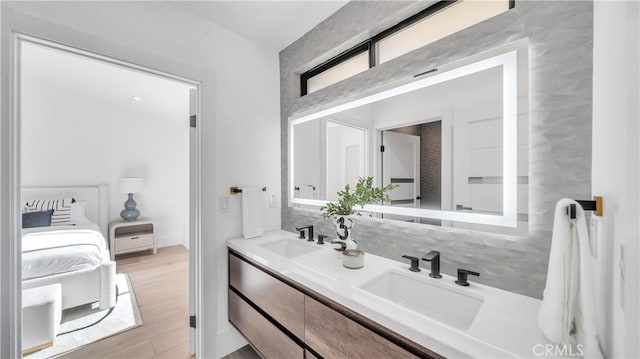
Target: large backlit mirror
[454, 141]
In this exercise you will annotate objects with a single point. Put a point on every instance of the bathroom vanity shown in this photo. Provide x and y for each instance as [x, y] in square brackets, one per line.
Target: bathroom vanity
[294, 299]
[283, 319]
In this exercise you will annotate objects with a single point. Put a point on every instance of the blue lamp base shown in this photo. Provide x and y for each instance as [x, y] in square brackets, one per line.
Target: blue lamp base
[130, 213]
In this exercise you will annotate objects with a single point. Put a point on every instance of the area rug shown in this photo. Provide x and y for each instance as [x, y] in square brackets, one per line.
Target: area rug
[87, 324]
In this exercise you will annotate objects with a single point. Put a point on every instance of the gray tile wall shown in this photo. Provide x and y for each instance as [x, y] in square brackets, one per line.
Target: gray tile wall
[431, 165]
[560, 35]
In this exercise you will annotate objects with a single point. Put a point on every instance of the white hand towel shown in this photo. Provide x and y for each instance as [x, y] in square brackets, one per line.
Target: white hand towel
[251, 212]
[567, 312]
[595, 233]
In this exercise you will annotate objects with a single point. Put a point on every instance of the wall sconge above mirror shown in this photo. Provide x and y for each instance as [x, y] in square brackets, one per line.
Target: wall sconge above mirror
[454, 141]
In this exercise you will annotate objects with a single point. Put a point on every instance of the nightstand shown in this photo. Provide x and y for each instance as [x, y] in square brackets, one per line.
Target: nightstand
[127, 237]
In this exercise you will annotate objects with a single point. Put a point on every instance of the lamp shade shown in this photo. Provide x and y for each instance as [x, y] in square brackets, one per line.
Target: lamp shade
[130, 184]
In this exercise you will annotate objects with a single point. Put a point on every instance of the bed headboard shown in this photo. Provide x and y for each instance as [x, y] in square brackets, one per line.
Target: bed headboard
[96, 197]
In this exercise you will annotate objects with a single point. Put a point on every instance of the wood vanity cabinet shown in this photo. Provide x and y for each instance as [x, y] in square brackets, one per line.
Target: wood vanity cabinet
[270, 341]
[332, 335]
[309, 355]
[282, 302]
[282, 319]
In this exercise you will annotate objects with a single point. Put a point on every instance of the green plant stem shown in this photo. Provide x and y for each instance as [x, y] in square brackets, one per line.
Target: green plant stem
[349, 202]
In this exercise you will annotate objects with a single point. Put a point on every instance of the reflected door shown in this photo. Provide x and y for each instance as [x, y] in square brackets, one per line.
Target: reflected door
[401, 166]
[352, 164]
[478, 160]
[345, 160]
[478, 165]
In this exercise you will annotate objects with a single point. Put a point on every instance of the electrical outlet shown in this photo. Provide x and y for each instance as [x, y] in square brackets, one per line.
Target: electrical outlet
[273, 200]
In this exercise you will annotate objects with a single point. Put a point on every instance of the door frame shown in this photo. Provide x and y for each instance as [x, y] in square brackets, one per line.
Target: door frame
[14, 322]
[417, 162]
[445, 115]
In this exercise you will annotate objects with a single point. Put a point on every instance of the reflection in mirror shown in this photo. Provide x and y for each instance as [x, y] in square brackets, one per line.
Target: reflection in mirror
[345, 157]
[329, 155]
[433, 169]
[412, 160]
[456, 144]
[309, 163]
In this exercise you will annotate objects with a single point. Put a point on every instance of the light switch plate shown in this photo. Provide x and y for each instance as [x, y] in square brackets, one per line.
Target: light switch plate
[224, 202]
[273, 200]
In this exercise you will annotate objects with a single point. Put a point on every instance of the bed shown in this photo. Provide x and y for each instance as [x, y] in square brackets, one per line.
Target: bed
[76, 256]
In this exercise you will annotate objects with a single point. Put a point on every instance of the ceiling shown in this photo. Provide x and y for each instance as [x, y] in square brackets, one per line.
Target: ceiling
[273, 24]
[111, 84]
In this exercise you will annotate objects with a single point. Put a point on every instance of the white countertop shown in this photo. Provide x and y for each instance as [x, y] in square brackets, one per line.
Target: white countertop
[505, 326]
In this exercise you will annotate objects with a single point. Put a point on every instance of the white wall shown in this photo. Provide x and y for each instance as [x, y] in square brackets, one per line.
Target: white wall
[339, 137]
[7, 314]
[307, 162]
[615, 173]
[239, 125]
[70, 138]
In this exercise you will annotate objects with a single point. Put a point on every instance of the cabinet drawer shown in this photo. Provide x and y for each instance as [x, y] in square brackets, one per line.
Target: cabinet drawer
[133, 242]
[282, 302]
[332, 335]
[264, 336]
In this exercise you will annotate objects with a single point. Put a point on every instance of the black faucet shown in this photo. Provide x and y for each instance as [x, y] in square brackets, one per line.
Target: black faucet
[414, 263]
[309, 229]
[462, 276]
[321, 238]
[434, 258]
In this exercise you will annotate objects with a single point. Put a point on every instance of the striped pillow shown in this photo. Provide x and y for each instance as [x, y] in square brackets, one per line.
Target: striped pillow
[61, 209]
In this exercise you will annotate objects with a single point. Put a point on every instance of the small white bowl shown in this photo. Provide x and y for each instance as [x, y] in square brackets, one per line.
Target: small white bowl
[353, 258]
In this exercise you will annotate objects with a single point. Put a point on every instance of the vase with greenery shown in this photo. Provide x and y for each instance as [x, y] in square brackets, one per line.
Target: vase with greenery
[351, 203]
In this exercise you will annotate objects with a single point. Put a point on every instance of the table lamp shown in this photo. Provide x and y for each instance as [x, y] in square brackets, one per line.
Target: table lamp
[130, 185]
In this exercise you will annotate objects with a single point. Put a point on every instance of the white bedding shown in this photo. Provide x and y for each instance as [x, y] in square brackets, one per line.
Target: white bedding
[54, 250]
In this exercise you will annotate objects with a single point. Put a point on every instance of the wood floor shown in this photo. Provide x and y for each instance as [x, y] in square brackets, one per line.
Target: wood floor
[161, 285]
[246, 352]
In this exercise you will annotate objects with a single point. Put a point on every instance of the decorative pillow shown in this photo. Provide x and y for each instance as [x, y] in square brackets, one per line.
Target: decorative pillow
[78, 215]
[37, 219]
[61, 209]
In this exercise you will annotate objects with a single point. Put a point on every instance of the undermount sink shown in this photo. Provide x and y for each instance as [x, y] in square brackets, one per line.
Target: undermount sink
[446, 305]
[290, 248]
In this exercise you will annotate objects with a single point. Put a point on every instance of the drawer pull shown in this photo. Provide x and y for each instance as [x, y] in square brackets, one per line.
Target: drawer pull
[135, 237]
